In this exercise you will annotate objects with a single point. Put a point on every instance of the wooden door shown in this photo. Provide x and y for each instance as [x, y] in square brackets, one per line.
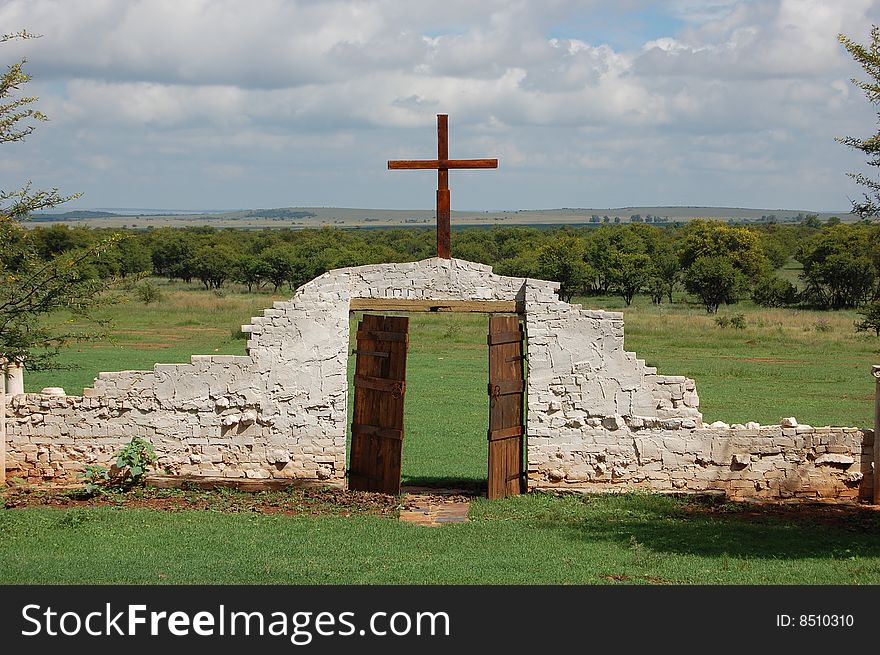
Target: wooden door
[379, 387]
[506, 390]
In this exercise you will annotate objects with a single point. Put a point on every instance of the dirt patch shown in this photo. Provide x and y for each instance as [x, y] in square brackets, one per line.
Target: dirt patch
[290, 502]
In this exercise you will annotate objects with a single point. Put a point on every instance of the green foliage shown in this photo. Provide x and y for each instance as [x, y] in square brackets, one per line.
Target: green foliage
[32, 288]
[715, 280]
[278, 265]
[17, 121]
[774, 291]
[822, 325]
[172, 253]
[148, 292]
[737, 321]
[213, 264]
[840, 265]
[133, 257]
[96, 479]
[869, 59]
[656, 288]
[666, 272]
[872, 319]
[812, 222]
[133, 461]
[37, 282]
[629, 272]
[562, 260]
[741, 246]
[251, 271]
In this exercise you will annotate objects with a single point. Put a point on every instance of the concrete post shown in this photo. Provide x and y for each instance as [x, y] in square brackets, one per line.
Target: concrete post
[875, 371]
[14, 378]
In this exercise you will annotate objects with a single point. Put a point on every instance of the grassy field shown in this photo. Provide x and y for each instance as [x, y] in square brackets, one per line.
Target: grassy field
[808, 364]
[612, 539]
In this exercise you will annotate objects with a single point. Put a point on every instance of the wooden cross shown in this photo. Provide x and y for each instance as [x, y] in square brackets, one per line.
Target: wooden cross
[443, 163]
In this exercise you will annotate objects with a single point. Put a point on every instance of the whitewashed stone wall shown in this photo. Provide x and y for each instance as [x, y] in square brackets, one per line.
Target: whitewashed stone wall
[597, 416]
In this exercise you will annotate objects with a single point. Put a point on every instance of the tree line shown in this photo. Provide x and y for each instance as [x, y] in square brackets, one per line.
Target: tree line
[716, 262]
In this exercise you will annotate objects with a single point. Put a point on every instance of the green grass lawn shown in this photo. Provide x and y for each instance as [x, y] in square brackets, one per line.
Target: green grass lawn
[785, 362]
[611, 539]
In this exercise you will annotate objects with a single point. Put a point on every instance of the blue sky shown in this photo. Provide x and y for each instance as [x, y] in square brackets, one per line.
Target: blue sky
[220, 104]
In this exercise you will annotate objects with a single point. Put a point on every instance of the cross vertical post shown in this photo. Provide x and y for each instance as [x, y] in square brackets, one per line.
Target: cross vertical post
[443, 210]
[442, 164]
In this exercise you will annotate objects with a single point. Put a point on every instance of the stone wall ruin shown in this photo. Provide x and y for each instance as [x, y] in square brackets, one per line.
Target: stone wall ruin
[598, 418]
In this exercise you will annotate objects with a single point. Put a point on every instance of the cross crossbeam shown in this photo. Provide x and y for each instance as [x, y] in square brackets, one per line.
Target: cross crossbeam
[443, 165]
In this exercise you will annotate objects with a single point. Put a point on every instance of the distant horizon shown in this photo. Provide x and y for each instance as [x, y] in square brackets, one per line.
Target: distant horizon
[169, 210]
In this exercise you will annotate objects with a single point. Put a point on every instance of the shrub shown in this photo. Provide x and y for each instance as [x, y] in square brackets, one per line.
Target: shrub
[737, 321]
[872, 318]
[772, 291]
[133, 460]
[96, 479]
[714, 280]
[148, 293]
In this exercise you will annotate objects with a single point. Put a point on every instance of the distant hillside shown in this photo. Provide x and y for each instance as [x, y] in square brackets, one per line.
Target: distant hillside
[347, 217]
[71, 216]
[284, 212]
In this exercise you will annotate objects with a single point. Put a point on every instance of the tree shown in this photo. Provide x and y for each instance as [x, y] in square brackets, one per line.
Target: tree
[655, 288]
[704, 238]
[729, 257]
[666, 274]
[838, 268]
[872, 319]
[869, 59]
[277, 265]
[629, 273]
[214, 264]
[133, 256]
[32, 286]
[773, 291]
[562, 260]
[173, 252]
[598, 253]
[811, 222]
[715, 280]
[250, 270]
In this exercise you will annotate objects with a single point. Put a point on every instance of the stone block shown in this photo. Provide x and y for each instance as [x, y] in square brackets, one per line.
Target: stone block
[835, 459]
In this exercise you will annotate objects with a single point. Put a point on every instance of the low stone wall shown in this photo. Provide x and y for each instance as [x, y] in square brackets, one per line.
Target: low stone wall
[597, 417]
[772, 462]
[206, 418]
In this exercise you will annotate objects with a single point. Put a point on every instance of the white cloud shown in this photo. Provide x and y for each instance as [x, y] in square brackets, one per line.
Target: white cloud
[222, 88]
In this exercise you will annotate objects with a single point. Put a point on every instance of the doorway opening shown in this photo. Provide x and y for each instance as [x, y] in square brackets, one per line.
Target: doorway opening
[437, 401]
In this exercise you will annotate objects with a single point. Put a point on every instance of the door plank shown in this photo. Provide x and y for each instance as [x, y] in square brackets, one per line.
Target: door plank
[379, 388]
[506, 394]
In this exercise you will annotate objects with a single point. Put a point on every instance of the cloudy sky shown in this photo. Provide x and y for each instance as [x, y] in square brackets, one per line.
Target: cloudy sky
[210, 104]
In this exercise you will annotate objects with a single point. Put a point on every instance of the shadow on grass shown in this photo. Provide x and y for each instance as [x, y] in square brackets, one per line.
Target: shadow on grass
[735, 536]
[475, 486]
[710, 528]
